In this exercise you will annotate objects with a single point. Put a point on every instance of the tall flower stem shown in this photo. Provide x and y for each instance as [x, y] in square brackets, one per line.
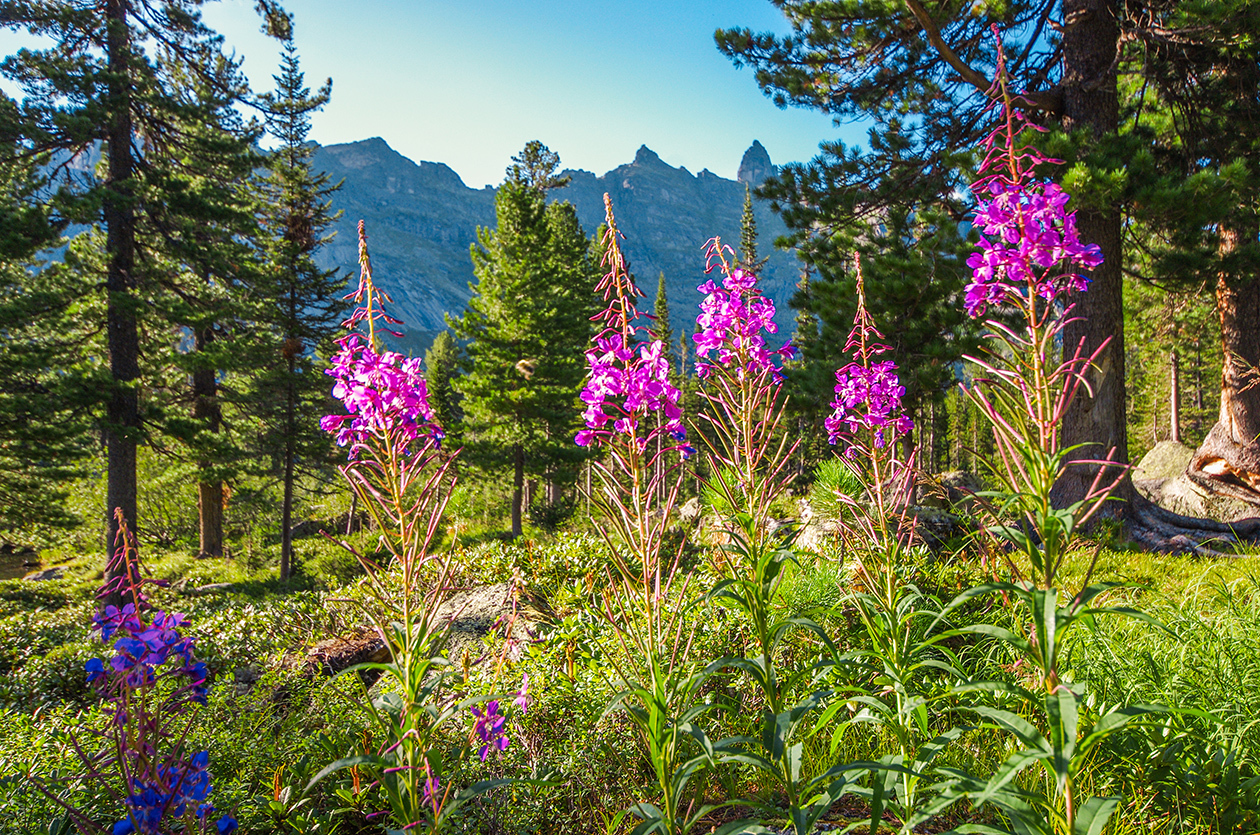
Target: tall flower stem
[632, 411]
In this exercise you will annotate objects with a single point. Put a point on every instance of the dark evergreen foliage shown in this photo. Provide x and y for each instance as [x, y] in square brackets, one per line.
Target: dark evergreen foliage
[302, 305]
[527, 325]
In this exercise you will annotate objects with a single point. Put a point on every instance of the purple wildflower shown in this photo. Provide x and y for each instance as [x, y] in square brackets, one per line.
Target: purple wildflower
[628, 371]
[868, 394]
[489, 728]
[385, 395]
[732, 318]
[868, 398]
[639, 377]
[1029, 243]
[522, 695]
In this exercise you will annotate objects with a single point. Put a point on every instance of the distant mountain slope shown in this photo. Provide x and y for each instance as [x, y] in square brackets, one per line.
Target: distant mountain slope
[421, 220]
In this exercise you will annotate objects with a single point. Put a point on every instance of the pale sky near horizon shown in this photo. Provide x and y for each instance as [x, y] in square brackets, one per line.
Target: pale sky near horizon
[469, 83]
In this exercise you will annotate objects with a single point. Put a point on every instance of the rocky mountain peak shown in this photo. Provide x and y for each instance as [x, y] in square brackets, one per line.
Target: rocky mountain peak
[755, 167]
[646, 156]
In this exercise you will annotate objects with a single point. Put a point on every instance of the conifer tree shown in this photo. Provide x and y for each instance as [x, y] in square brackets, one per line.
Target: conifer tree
[661, 328]
[305, 303]
[1199, 219]
[104, 75]
[748, 235]
[441, 366]
[207, 285]
[45, 401]
[923, 73]
[527, 325]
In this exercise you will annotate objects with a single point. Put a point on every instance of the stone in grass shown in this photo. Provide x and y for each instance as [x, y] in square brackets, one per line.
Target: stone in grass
[472, 614]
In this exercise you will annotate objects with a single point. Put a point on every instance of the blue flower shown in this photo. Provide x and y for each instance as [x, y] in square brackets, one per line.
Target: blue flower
[226, 824]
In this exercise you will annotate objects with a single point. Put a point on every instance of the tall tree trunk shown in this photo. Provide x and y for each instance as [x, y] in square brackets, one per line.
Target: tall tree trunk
[122, 412]
[518, 487]
[1174, 398]
[206, 411]
[291, 348]
[1090, 101]
[1228, 461]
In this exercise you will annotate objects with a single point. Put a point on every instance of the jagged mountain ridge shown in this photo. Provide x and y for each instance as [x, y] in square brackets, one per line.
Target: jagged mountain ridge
[421, 220]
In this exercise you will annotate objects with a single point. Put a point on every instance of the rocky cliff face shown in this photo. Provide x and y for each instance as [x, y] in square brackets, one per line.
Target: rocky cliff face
[421, 220]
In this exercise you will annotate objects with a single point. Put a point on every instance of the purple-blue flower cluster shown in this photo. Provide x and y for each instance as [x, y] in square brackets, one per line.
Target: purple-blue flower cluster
[732, 318]
[631, 380]
[385, 395]
[143, 647]
[489, 729]
[176, 789]
[152, 678]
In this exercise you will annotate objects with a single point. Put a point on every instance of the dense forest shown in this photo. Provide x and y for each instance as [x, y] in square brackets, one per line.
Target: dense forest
[176, 371]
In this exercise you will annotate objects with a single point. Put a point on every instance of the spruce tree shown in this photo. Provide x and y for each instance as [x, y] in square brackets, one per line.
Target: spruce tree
[104, 75]
[527, 325]
[441, 366]
[661, 329]
[304, 303]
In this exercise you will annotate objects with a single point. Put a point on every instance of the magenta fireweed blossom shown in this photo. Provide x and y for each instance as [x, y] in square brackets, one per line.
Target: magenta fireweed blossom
[868, 394]
[631, 381]
[385, 395]
[732, 318]
[868, 398]
[1029, 243]
[628, 372]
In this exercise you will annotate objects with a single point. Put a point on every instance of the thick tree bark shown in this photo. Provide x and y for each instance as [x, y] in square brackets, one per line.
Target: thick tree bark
[123, 411]
[518, 487]
[1095, 422]
[206, 411]
[1228, 461]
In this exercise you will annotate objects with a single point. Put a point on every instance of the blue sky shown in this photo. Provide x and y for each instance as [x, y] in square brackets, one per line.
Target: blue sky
[469, 83]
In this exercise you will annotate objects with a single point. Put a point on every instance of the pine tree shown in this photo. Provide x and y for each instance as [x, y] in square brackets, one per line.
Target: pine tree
[206, 286]
[527, 325]
[441, 366]
[922, 74]
[45, 401]
[106, 74]
[661, 329]
[1200, 220]
[305, 303]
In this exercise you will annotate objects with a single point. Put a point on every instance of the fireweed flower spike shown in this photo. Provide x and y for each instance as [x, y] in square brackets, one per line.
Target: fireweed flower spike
[628, 373]
[732, 317]
[385, 393]
[868, 393]
[1029, 245]
[633, 413]
[403, 481]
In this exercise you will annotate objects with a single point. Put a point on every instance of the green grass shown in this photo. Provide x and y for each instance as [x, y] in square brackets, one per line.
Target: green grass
[1190, 772]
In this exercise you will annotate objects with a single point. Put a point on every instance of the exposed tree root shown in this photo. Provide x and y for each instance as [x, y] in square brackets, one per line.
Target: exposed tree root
[1159, 529]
